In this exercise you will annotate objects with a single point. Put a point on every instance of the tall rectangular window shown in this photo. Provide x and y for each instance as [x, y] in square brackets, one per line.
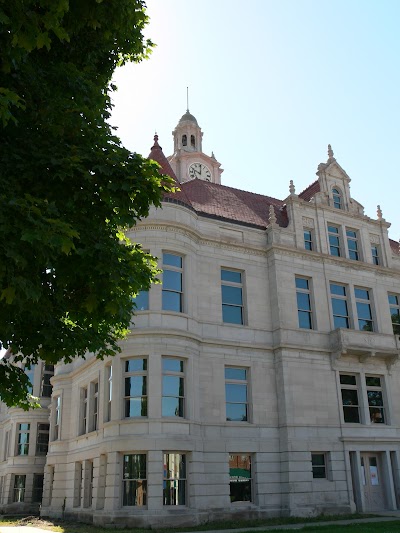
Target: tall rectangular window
[78, 482]
[84, 410]
[352, 244]
[57, 417]
[304, 303]
[364, 312]
[109, 392]
[349, 390]
[42, 439]
[340, 310]
[232, 296]
[47, 374]
[236, 394]
[134, 485]
[375, 254]
[142, 301]
[308, 239]
[173, 387]
[375, 399]
[23, 439]
[19, 488]
[174, 483]
[334, 240]
[37, 489]
[30, 375]
[318, 461]
[94, 405]
[88, 484]
[240, 479]
[172, 288]
[135, 397]
[394, 305]
[6, 445]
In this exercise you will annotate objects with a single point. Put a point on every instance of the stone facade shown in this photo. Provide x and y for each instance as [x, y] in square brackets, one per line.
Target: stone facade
[260, 379]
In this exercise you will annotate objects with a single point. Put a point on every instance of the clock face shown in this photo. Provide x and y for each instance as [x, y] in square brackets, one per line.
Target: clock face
[198, 170]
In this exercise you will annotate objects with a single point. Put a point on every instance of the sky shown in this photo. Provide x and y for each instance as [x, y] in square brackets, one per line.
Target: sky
[272, 83]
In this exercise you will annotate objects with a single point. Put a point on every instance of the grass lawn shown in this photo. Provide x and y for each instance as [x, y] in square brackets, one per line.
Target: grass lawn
[360, 527]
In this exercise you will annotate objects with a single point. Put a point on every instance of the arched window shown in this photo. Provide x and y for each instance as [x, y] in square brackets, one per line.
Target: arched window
[192, 141]
[184, 140]
[337, 199]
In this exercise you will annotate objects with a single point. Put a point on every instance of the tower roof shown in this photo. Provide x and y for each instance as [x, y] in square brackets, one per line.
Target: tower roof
[188, 117]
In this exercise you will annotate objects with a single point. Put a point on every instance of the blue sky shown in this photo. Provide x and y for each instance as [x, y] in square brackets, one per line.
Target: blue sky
[271, 83]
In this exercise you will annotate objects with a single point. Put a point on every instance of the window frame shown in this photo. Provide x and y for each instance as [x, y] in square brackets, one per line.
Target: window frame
[19, 490]
[353, 241]
[337, 235]
[376, 257]
[319, 467]
[84, 410]
[134, 480]
[57, 418]
[179, 270]
[396, 306]
[353, 387]
[181, 481]
[237, 285]
[45, 384]
[181, 374]
[368, 302]
[139, 373]
[229, 381]
[337, 197]
[307, 291]
[37, 490]
[240, 483]
[379, 410]
[345, 298]
[42, 431]
[108, 395]
[308, 242]
[23, 445]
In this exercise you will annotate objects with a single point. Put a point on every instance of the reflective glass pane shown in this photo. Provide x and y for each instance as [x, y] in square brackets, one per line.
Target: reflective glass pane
[172, 365]
[236, 412]
[235, 392]
[351, 414]
[305, 320]
[351, 233]
[136, 386]
[346, 379]
[393, 299]
[142, 301]
[333, 229]
[172, 280]
[172, 301]
[135, 407]
[339, 307]
[235, 373]
[375, 398]
[333, 240]
[302, 283]
[231, 295]
[174, 492]
[303, 301]
[172, 260]
[361, 294]
[172, 406]
[232, 314]
[364, 311]
[135, 365]
[231, 275]
[340, 290]
[349, 397]
[365, 325]
[373, 381]
[135, 466]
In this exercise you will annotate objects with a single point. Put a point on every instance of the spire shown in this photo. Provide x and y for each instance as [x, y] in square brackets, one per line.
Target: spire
[292, 189]
[156, 145]
[272, 221]
[379, 212]
[187, 99]
[330, 154]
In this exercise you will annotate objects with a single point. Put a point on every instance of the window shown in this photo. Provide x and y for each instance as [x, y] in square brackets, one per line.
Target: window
[364, 312]
[94, 405]
[174, 483]
[37, 489]
[88, 485]
[6, 445]
[173, 387]
[19, 488]
[339, 306]
[1, 488]
[30, 372]
[236, 394]
[51, 470]
[184, 140]
[47, 374]
[375, 254]
[240, 478]
[394, 305]
[134, 484]
[23, 439]
[78, 484]
[84, 410]
[352, 244]
[349, 389]
[375, 399]
[304, 303]
[57, 417]
[42, 439]
[109, 392]
[192, 141]
[337, 198]
[308, 239]
[334, 241]
[232, 296]
[318, 461]
[142, 301]
[135, 398]
[172, 291]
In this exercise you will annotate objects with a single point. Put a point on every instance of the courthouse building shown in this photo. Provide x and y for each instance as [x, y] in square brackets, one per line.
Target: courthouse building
[261, 378]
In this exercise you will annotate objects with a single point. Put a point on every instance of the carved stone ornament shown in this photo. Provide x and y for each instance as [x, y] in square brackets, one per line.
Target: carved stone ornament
[308, 222]
[374, 239]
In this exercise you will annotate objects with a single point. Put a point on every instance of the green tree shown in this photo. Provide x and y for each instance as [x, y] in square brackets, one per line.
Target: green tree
[68, 188]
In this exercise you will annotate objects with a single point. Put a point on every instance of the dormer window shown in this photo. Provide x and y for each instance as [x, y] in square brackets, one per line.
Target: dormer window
[337, 199]
[192, 141]
[184, 140]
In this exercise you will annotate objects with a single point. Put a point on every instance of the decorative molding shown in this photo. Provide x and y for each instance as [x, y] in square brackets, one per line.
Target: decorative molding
[374, 239]
[308, 222]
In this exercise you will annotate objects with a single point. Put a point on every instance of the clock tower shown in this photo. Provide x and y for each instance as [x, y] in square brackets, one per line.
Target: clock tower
[188, 160]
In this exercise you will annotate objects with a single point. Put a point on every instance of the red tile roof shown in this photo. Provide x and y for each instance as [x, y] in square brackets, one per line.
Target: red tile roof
[310, 191]
[394, 245]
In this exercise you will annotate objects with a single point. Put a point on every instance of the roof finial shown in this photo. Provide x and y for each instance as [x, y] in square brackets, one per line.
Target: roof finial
[156, 145]
[330, 152]
[292, 189]
[187, 99]
[379, 212]
[272, 216]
